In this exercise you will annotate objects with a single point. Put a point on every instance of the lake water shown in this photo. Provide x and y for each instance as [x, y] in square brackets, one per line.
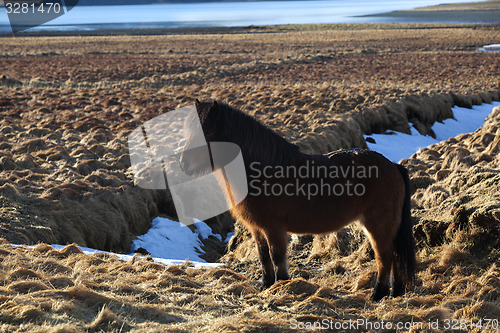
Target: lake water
[226, 14]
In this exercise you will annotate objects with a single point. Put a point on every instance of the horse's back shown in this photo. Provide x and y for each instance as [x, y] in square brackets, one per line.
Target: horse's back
[357, 153]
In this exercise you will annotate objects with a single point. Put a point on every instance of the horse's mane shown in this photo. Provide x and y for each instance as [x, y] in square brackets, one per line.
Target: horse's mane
[256, 141]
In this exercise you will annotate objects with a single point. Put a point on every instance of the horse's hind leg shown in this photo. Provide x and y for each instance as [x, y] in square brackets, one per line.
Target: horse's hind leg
[398, 287]
[384, 271]
[268, 273]
[383, 255]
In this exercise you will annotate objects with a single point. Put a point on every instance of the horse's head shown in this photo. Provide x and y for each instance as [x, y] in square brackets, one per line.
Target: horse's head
[196, 159]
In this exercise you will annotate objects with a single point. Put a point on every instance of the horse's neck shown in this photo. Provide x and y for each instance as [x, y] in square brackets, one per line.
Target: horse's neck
[259, 144]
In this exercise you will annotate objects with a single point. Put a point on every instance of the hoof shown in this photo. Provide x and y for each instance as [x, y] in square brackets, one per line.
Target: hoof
[264, 287]
[283, 277]
[266, 284]
[380, 292]
[397, 290]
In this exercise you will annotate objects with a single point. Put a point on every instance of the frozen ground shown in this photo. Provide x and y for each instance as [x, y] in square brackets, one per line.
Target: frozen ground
[397, 146]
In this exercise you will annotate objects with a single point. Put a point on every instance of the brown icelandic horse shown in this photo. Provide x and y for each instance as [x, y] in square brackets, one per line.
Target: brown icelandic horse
[284, 196]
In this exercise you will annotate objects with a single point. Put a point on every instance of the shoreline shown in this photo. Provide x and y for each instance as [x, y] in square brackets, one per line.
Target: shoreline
[474, 12]
[264, 29]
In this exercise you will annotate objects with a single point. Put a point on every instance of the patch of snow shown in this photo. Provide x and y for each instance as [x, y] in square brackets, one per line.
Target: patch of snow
[169, 242]
[398, 146]
[127, 257]
[204, 230]
[490, 48]
[173, 240]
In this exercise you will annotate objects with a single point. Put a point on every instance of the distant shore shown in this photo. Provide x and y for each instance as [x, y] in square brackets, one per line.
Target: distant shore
[244, 30]
[462, 13]
[473, 12]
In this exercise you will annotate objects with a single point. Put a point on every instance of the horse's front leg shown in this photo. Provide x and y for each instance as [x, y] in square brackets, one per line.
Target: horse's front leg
[278, 243]
[268, 273]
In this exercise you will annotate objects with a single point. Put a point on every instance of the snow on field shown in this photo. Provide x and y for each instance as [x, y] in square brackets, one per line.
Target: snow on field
[398, 146]
[169, 243]
[173, 240]
[200, 263]
[490, 48]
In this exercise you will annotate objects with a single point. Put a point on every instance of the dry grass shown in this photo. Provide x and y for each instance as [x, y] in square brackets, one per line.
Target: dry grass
[103, 293]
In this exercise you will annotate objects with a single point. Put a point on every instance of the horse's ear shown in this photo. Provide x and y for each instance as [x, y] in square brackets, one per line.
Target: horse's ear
[215, 114]
[197, 103]
[215, 110]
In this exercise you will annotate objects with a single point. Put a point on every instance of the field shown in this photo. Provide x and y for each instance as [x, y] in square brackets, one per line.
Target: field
[68, 104]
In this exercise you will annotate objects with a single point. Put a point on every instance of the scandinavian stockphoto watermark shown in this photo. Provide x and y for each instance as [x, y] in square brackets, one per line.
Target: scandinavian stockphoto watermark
[309, 179]
[155, 149]
[220, 180]
[363, 324]
[26, 14]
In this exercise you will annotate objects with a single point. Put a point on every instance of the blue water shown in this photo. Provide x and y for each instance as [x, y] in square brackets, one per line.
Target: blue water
[227, 14]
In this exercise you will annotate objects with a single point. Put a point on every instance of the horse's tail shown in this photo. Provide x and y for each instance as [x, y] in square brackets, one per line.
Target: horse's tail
[404, 243]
